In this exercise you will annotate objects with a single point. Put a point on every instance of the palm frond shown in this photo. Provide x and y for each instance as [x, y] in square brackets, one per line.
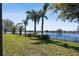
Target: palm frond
[45, 7]
[46, 17]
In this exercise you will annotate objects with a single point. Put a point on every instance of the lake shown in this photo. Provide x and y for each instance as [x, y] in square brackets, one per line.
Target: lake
[64, 36]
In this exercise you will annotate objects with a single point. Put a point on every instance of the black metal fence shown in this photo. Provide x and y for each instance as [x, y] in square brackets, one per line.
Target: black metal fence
[66, 38]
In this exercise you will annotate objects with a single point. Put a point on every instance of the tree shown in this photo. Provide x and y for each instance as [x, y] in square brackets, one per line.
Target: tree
[68, 11]
[20, 27]
[42, 15]
[59, 30]
[25, 24]
[13, 29]
[5, 31]
[46, 31]
[7, 25]
[3, 26]
[35, 17]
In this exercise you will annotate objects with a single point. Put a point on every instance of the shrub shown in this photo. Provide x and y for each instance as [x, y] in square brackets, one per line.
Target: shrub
[45, 37]
[29, 35]
[65, 45]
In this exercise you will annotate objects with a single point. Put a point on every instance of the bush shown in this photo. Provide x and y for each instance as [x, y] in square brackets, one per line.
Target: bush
[29, 35]
[45, 37]
[65, 45]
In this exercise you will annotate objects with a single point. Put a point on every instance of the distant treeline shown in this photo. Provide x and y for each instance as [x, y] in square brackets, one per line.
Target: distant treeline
[57, 31]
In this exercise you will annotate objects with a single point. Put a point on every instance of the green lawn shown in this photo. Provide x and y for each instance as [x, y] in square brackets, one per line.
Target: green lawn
[14, 45]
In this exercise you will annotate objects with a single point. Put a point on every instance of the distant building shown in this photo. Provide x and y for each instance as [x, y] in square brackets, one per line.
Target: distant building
[78, 28]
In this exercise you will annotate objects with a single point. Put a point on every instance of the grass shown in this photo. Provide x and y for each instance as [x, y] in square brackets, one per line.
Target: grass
[16, 45]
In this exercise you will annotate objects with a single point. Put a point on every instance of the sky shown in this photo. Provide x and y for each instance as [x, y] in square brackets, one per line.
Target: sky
[16, 13]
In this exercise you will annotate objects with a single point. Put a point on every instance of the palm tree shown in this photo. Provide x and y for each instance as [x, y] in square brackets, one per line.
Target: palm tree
[20, 27]
[34, 16]
[25, 24]
[42, 15]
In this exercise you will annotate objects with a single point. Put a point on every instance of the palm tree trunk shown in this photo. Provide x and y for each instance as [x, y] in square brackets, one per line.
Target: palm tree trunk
[35, 28]
[5, 31]
[25, 30]
[78, 28]
[42, 28]
[20, 32]
[13, 31]
[78, 25]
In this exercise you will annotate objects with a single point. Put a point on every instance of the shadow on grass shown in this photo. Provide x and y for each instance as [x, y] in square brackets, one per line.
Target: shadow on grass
[34, 38]
[37, 40]
[56, 43]
[63, 44]
[37, 43]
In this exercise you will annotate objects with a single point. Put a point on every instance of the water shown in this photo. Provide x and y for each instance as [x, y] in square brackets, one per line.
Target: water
[64, 36]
